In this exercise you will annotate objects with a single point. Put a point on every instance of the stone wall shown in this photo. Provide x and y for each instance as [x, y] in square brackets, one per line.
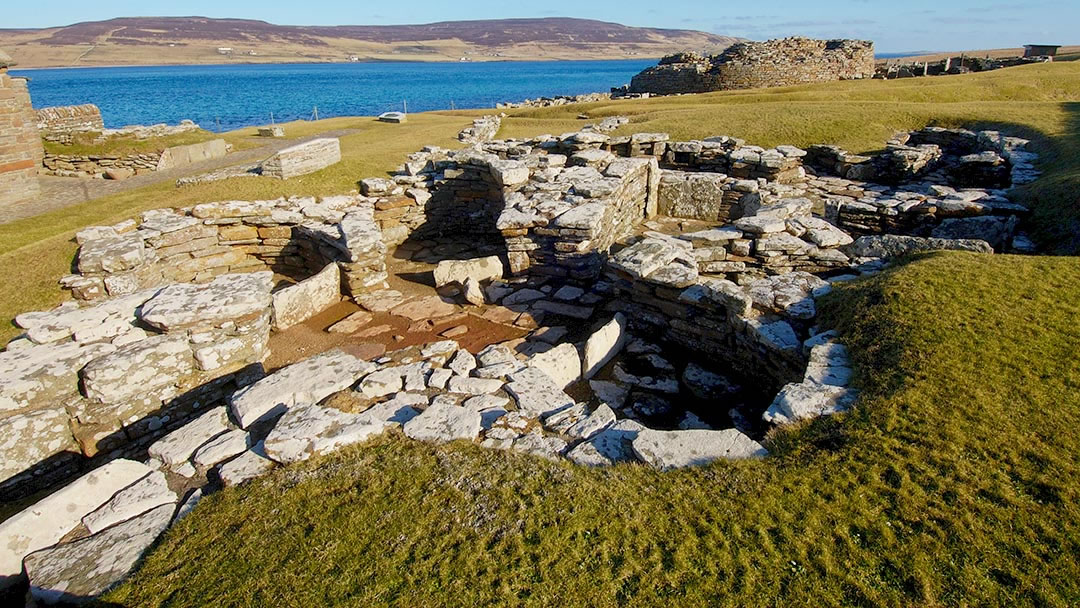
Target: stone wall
[98, 165]
[60, 123]
[751, 65]
[91, 382]
[294, 237]
[21, 151]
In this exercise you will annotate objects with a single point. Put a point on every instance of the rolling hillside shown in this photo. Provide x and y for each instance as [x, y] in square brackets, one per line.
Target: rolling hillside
[193, 40]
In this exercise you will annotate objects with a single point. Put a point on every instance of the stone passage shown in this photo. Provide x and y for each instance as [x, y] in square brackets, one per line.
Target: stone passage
[60, 123]
[751, 65]
[21, 151]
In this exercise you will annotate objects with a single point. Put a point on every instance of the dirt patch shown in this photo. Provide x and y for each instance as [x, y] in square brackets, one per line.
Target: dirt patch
[311, 337]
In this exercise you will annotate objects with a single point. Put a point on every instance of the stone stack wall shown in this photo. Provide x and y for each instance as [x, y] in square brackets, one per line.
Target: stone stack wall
[21, 151]
[295, 237]
[72, 165]
[94, 381]
[751, 65]
[656, 284]
[60, 124]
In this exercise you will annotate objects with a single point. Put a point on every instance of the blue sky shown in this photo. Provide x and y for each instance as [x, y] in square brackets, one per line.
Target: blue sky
[911, 25]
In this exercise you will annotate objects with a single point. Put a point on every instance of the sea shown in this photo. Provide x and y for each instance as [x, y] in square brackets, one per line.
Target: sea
[226, 97]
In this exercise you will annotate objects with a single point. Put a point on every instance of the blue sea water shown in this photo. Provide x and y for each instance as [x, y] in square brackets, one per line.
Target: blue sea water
[224, 97]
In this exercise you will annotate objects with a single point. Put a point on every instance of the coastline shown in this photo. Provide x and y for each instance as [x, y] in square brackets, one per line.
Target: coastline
[20, 68]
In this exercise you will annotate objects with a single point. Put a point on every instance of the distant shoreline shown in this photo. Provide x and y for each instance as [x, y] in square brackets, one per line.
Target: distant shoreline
[18, 68]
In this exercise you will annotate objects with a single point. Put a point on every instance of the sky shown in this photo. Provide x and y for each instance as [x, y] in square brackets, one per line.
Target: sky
[911, 25]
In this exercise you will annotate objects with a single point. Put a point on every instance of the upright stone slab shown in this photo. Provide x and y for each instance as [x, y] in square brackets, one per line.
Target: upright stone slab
[298, 303]
[604, 344]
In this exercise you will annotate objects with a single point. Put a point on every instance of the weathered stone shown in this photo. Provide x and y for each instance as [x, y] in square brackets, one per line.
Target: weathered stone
[609, 446]
[893, 245]
[474, 386]
[351, 323]
[42, 374]
[598, 420]
[536, 393]
[808, 400]
[303, 158]
[383, 382]
[148, 493]
[442, 423]
[249, 465]
[47, 521]
[474, 294]
[495, 354]
[29, 439]
[535, 443]
[429, 307]
[611, 393]
[307, 430]
[667, 450]
[112, 254]
[457, 271]
[308, 381]
[562, 364]
[298, 303]
[462, 363]
[136, 369]
[705, 384]
[223, 447]
[84, 569]
[226, 298]
[178, 446]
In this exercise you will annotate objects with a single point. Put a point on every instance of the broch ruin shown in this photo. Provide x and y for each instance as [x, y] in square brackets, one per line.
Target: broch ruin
[751, 65]
[588, 297]
[598, 253]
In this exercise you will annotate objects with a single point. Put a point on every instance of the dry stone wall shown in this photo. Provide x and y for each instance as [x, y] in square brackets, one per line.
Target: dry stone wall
[295, 237]
[60, 123]
[751, 65]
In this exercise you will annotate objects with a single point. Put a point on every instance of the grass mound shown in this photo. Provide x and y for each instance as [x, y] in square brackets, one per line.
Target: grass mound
[956, 482]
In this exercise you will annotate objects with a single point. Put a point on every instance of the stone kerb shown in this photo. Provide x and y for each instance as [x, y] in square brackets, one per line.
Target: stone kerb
[303, 158]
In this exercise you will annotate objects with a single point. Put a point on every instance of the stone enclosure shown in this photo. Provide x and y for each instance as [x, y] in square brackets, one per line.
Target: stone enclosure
[663, 291]
[751, 65]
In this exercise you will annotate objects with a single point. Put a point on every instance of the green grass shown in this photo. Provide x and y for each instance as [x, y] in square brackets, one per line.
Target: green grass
[954, 483]
[85, 144]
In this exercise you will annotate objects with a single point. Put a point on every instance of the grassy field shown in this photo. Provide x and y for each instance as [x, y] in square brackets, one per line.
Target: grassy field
[956, 482]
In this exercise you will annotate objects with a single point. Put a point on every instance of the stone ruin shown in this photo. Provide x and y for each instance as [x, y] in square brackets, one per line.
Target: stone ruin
[663, 293]
[753, 65]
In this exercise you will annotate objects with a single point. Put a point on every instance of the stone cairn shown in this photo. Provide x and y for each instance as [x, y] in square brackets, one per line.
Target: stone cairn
[753, 65]
[152, 377]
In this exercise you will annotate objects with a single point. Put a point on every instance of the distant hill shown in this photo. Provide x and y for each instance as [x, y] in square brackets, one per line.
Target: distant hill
[194, 40]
